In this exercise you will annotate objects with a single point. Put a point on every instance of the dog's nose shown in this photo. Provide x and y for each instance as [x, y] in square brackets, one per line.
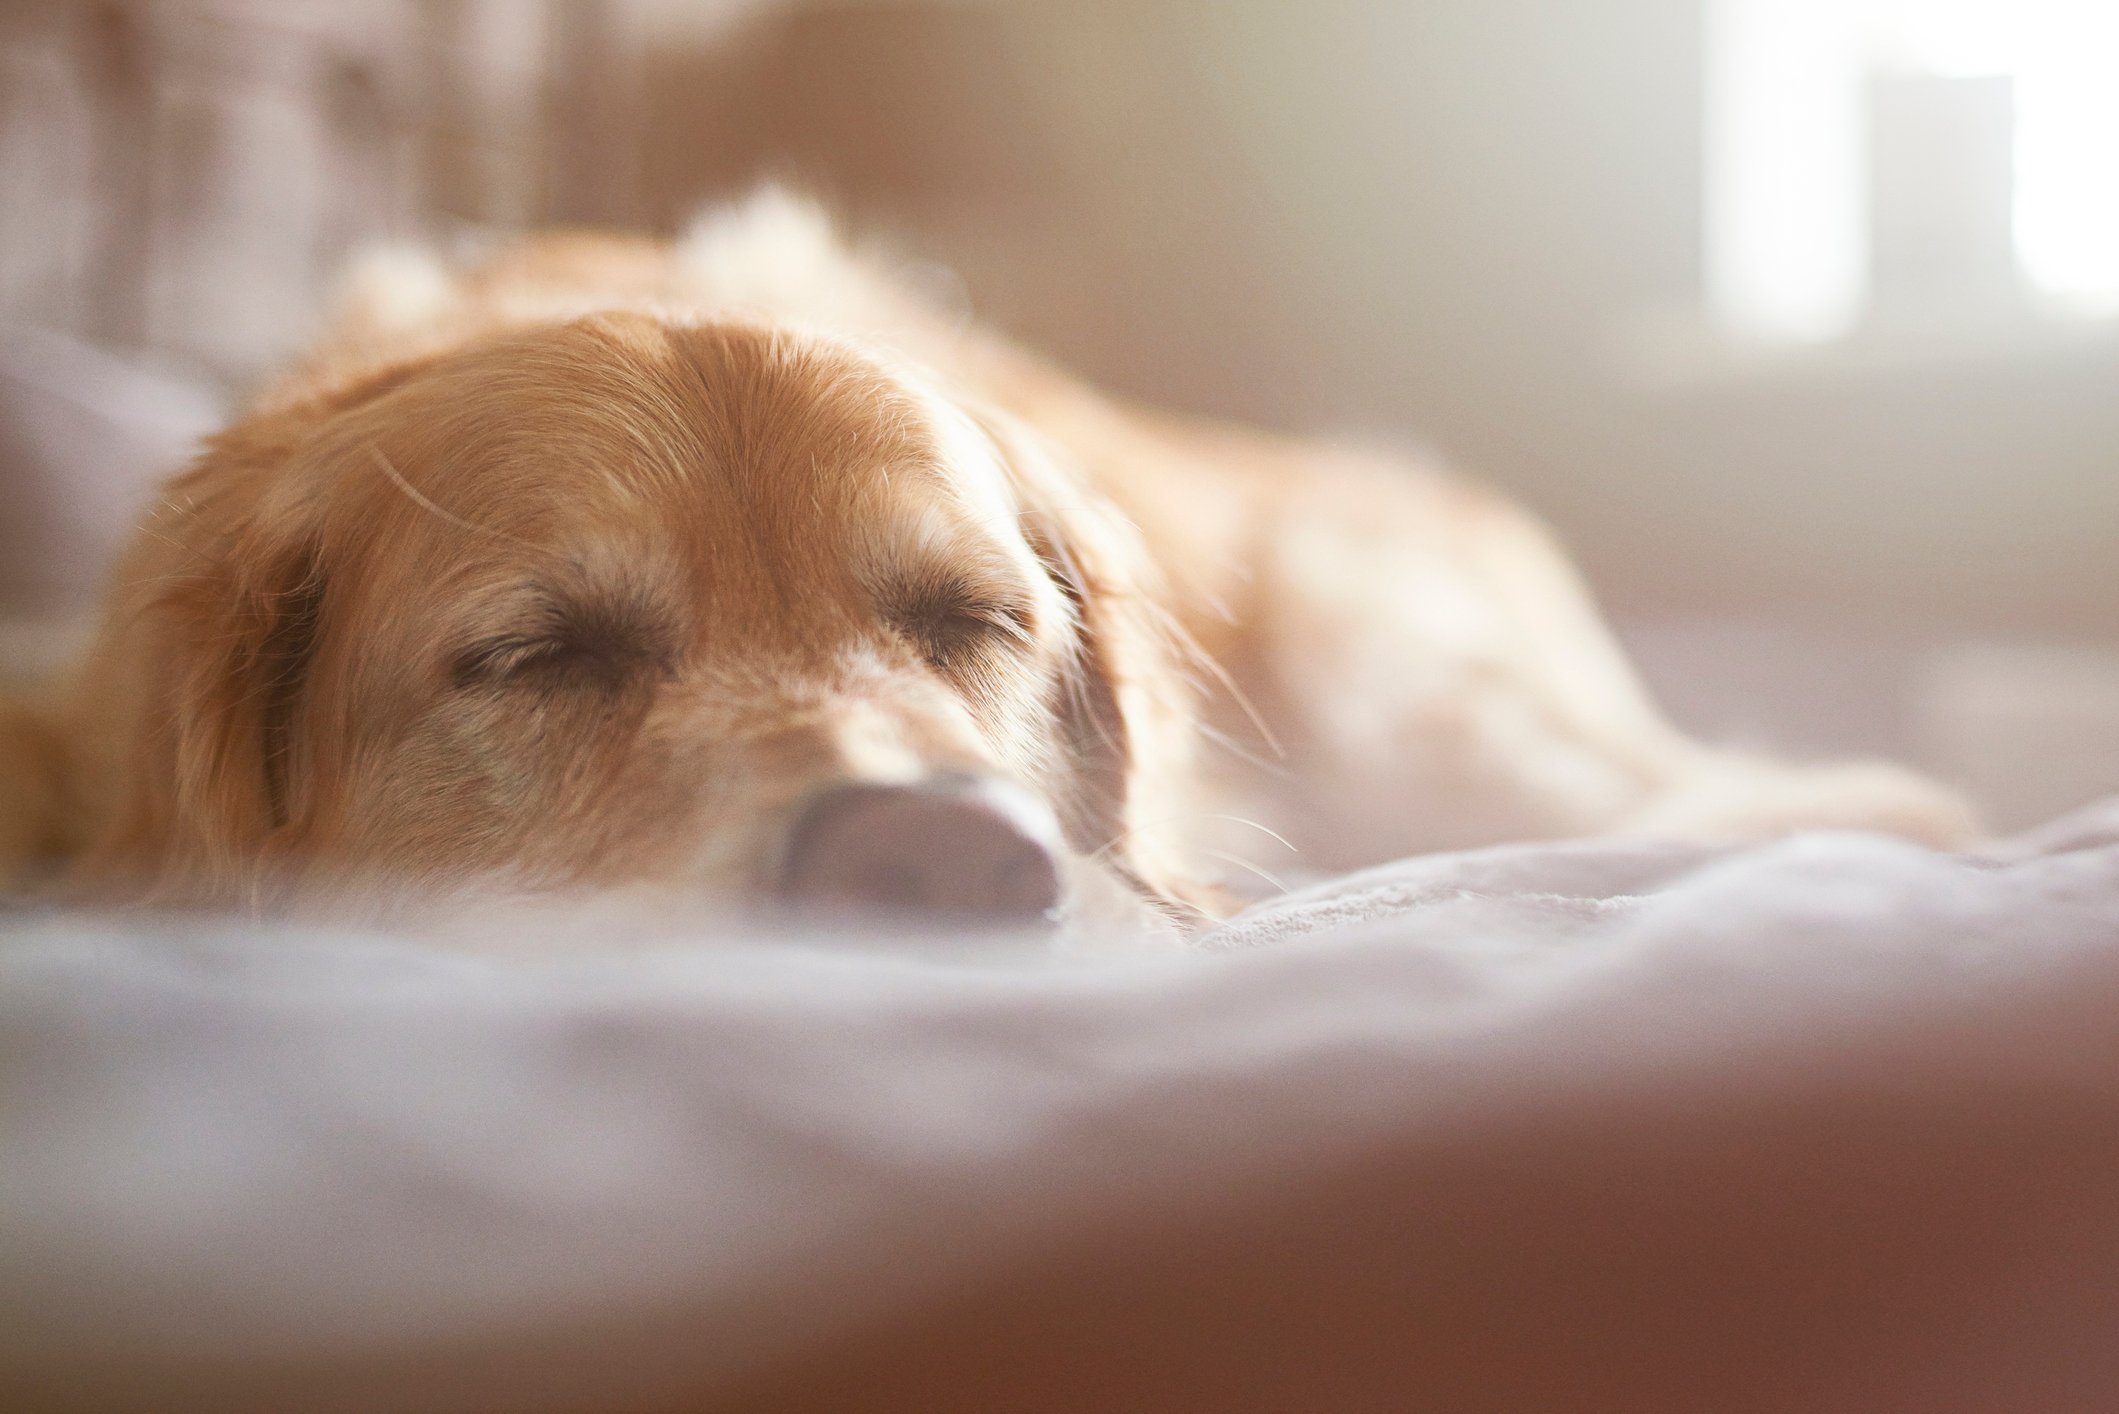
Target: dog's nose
[961, 846]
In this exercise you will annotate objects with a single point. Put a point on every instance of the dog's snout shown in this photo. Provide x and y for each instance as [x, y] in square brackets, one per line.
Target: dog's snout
[966, 847]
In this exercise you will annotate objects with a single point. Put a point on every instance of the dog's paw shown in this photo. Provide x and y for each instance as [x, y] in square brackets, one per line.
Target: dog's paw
[1730, 797]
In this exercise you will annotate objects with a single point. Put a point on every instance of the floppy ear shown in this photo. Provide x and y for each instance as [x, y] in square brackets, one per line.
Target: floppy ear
[186, 759]
[1125, 706]
[186, 751]
[190, 704]
[30, 772]
[244, 641]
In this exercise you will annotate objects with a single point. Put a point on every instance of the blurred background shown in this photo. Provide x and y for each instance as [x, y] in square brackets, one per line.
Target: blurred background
[1795, 316]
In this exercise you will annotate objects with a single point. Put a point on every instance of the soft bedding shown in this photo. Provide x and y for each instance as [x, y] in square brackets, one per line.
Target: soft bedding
[1831, 1124]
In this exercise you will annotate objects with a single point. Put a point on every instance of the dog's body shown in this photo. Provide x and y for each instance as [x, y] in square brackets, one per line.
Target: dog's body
[599, 562]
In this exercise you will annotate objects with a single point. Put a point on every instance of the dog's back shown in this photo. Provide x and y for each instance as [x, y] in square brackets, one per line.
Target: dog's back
[1429, 671]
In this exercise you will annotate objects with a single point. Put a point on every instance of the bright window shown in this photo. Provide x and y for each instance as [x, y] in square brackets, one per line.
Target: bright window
[1792, 101]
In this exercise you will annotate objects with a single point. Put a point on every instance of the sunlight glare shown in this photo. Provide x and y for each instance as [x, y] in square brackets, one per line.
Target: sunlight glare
[1787, 143]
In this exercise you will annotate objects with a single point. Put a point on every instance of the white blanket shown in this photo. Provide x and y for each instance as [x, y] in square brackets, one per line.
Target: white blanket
[1825, 1125]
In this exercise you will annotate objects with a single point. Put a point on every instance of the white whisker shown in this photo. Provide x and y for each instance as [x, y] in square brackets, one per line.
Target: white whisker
[414, 494]
[1245, 865]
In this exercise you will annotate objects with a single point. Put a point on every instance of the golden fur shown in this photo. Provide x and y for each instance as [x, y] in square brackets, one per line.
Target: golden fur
[585, 565]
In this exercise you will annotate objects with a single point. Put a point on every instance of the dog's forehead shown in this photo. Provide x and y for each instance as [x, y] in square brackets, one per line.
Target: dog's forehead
[760, 419]
[738, 449]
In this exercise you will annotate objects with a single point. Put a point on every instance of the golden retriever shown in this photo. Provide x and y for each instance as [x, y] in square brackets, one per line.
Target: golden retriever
[723, 565]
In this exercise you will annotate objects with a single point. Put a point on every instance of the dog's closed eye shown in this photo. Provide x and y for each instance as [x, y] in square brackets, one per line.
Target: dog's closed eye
[565, 644]
[953, 625]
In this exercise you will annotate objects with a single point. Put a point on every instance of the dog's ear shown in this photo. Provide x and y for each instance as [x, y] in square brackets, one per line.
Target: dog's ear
[246, 631]
[1125, 703]
[31, 772]
[202, 665]
[190, 748]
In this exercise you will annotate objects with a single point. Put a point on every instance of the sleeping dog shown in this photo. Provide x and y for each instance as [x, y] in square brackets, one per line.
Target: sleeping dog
[725, 566]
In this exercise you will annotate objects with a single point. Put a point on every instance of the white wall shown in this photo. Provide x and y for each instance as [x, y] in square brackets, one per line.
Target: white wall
[1477, 222]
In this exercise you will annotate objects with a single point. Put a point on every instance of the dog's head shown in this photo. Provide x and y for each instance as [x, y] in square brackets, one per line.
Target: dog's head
[722, 606]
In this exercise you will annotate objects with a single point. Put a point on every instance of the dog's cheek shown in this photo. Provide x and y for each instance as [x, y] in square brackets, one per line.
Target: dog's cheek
[467, 786]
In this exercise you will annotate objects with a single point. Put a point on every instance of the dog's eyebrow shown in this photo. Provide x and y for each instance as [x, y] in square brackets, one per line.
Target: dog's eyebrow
[964, 580]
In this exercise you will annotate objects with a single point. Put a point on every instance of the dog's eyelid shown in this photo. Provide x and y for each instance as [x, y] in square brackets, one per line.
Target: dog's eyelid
[951, 619]
[1016, 620]
[498, 657]
[956, 601]
[609, 641]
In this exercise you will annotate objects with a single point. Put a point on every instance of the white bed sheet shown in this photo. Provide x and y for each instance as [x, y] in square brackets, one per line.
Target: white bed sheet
[1829, 1124]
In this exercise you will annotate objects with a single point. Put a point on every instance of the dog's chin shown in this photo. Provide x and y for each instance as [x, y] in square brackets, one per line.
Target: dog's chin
[501, 915]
